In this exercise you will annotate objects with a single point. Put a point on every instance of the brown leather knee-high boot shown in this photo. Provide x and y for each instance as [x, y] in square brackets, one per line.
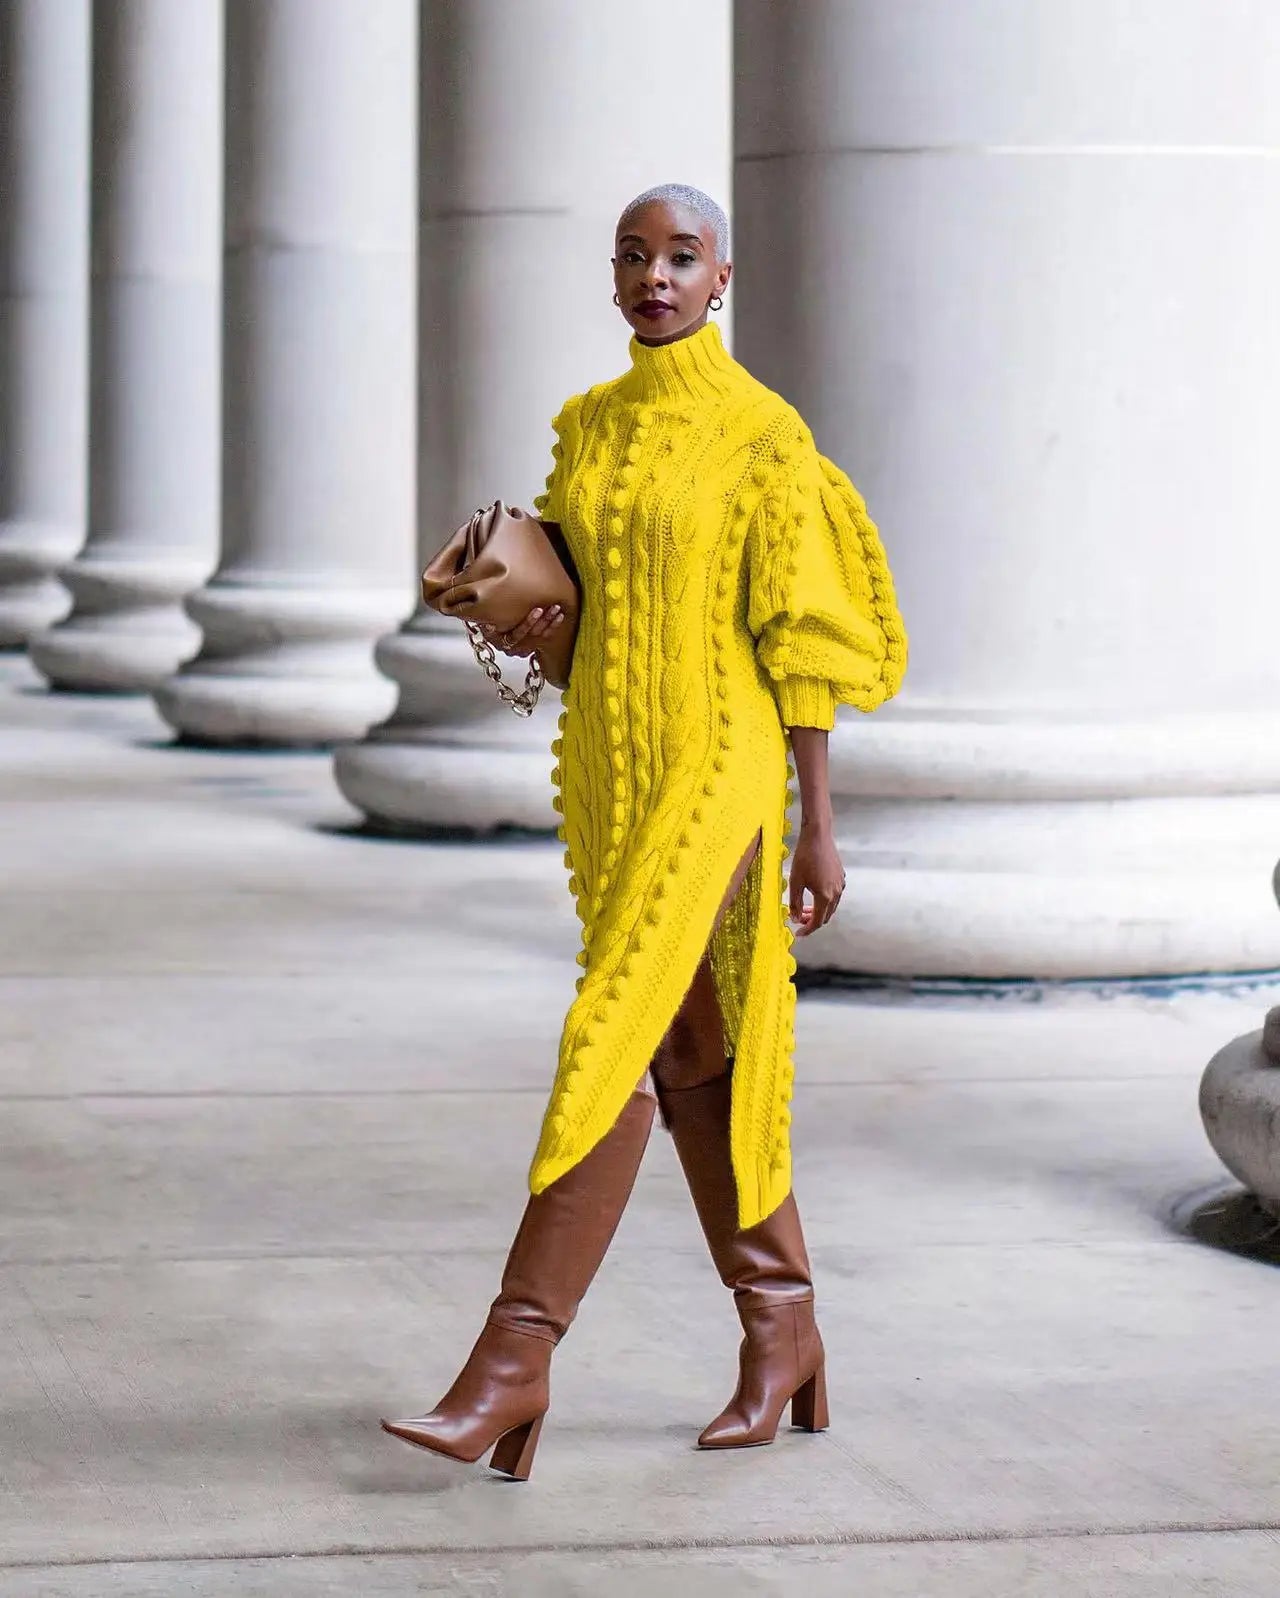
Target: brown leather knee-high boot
[502, 1392]
[766, 1267]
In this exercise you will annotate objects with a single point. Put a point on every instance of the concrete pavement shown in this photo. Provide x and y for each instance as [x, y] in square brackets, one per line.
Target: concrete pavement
[269, 1090]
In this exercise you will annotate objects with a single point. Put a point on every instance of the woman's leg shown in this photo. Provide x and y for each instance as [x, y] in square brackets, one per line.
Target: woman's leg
[501, 1393]
[766, 1267]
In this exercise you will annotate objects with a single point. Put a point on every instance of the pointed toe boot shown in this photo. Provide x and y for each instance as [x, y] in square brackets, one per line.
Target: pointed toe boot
[497, 1401]
[502, 1392]
[781, 1359]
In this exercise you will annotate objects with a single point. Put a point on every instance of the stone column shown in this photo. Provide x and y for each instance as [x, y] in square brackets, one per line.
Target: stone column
[318, 375]
[1016, 263]
[531, 145]
[153, 347]
[44, 227]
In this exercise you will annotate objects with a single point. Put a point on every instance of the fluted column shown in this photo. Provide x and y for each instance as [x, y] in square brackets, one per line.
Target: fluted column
[153, 347]
[1016, 263]
[318, 378]
[44, 229]
[530, 148]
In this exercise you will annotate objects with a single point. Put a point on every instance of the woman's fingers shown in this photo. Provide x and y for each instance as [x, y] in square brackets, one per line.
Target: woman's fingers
[546, 621]
[520, 632]
[831, 903]
[809, 917]
[537, 624]
[796, 893]
[522, 638]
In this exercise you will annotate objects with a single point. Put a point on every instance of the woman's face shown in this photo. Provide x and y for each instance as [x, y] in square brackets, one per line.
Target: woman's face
[665, 272]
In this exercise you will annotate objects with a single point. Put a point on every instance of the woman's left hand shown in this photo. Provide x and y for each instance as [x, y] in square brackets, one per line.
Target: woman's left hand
[524, 638]
[817, 871]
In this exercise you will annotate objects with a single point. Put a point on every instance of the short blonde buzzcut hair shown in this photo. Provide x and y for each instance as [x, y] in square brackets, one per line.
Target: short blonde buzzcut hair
[682, 194]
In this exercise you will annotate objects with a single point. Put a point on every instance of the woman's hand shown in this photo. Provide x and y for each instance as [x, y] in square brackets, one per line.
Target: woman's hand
[525, 638]
[817, 871]
[815, 866]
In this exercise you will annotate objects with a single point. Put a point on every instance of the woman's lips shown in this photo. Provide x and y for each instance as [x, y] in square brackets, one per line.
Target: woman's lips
[653, 309]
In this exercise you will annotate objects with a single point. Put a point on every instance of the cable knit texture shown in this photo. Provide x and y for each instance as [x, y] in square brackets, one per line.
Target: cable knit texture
[733, 585]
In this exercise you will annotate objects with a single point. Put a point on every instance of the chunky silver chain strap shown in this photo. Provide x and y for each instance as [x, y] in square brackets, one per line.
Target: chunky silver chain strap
[523, 702]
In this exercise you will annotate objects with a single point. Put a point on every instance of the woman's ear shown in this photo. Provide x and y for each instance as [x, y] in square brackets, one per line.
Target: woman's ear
[722, 277]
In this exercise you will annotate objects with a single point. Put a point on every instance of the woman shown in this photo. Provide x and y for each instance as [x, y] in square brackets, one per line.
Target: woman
[734, 590]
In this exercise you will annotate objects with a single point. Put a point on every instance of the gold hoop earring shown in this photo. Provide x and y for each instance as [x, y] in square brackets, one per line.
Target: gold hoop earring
[717, 304]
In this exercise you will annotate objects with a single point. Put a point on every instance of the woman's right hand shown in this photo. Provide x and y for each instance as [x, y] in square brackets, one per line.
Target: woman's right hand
[523, 639]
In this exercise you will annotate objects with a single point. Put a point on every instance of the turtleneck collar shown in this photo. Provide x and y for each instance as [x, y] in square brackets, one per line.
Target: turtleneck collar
[693, 367]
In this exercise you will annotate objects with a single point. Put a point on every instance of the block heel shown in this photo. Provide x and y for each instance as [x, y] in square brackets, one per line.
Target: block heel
[809, 1403]
[514, 1453]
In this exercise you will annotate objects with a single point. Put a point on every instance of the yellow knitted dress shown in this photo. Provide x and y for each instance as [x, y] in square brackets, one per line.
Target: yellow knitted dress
[732, 585]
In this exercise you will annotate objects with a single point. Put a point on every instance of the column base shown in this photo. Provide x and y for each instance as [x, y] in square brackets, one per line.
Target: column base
[31, 597]
[127, 631]
[303, 711]
[1050, 850]
[1043, 927]
[1240, 1107]
[432, 787]
[451, 758]
[281, 666]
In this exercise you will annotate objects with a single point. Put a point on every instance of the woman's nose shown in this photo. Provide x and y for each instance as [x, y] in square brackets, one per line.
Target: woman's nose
[656, 277]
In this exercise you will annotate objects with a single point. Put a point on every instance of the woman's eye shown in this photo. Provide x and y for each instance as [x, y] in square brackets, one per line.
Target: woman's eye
[683, 258]
[633, 257]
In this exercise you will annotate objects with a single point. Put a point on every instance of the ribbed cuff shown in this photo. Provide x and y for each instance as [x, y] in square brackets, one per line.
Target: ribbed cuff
[806, 702]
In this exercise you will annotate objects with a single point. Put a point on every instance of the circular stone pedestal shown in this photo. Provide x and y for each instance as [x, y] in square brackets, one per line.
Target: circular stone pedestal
[451, 758]
[1240, 1107]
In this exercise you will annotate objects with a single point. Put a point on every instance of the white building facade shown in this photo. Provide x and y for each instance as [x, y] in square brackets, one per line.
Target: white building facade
[288, 287]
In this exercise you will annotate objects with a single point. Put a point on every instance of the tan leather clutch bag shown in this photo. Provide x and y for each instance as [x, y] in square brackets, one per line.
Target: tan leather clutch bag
[496, 568]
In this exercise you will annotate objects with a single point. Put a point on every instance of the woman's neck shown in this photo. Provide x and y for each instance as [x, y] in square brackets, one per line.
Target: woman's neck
[674, 338]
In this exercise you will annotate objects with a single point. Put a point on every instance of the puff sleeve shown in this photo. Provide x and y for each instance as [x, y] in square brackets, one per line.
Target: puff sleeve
[549, 504]
[821, 603]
